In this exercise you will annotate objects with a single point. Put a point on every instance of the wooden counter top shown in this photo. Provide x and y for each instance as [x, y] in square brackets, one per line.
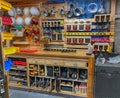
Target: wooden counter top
[77, 54]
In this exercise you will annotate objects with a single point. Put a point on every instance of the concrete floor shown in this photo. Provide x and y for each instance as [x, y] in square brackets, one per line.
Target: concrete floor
[25, 94]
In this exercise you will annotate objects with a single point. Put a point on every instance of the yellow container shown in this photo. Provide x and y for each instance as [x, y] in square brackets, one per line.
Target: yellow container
[10, 50]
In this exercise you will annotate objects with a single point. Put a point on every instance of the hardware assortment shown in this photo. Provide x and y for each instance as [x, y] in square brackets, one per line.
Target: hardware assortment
[50, 76]
[55, 32]
[71, 24]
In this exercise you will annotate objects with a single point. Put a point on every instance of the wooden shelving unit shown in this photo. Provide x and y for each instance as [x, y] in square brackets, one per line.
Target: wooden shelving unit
[18, 74]
[51, 70]
[58, 74]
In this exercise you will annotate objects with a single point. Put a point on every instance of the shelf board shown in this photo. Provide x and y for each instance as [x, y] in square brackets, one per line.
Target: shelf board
[82, 80]
[33, 75]
[50, 77]
[66, 85]
[19, 69]
[21, 43]
[19, 36]
[33, 87]
[55, 43]
[18, 75]
[33, 70]
[72, 93]
[76, 80]
[41, 76]
[16, 85]
[73, 80]
[19, 80]
[39, 88]
[45, 89]
[89, 33]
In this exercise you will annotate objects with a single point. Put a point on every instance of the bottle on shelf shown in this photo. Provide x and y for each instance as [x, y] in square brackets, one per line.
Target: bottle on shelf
[80, 89]
[83, 89]
[76, 88]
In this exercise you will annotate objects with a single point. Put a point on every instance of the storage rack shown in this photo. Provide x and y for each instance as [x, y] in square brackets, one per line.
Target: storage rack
[38, 65]
[60, 74]
[2, 76]
[4, 6]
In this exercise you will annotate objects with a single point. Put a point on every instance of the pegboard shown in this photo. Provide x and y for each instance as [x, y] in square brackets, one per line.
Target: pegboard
[85, 3]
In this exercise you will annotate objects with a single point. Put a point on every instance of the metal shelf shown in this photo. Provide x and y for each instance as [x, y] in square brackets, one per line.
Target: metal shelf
[88, 33]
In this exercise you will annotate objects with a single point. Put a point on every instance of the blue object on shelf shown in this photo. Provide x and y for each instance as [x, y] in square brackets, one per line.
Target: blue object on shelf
[65, 88]
[8, 65]
[19, 26]
[94, 6]
[24, 83]
[55, 1]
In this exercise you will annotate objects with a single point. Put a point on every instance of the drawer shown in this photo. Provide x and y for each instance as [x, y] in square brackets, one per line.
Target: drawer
[58, 63]
[69, 64]
[49, 62]
[82, 64]
[30, 60]
[54, 62]
[75, 64]
[36, 61]
[41, 62]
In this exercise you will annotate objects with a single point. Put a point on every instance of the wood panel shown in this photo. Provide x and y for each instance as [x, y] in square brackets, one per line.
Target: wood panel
[113, 11]
[79, 54]
[2, 72]
[60, 61]
[26, 2]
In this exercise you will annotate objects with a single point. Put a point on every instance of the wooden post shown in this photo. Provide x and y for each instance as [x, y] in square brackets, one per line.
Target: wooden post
[91, 78]
[113, 11]
[112, 25]
[6, 95]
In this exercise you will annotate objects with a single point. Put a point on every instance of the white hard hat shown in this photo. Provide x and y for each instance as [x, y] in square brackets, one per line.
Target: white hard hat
[28, 20]
[12, 12]
[34, 11]
[26, 11]
[19, 21]
[19, 11]
[13, 20]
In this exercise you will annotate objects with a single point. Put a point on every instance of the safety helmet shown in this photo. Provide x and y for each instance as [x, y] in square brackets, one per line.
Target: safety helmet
[26, 11]
[28, 20]
[19, 21]
[12, 12]
[34, 11]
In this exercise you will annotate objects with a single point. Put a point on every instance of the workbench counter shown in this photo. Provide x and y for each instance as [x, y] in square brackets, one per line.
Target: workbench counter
[77, 54]
[37, 65]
